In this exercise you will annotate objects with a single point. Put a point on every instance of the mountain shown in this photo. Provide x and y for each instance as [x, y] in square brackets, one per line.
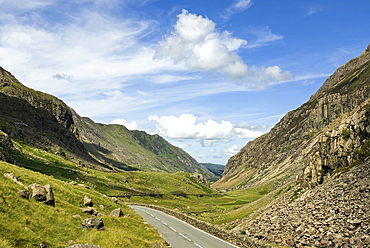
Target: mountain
[45, 122]
[327, 133]
[313, 168]
[216, 169]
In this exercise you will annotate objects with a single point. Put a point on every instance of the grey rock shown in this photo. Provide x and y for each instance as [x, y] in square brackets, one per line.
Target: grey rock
[92, 223]
[116, 213]
[49, 195]
[87, 201]
[38, 192]
[90, 210]
[24, 194]
[114, 199]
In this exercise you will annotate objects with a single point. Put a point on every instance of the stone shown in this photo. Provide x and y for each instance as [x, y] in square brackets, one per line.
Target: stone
[72, 183]
[87, 245]
[83, 185]
[13, 177]
[24, 194]
[87, 201]
[114, 199]
[92, 223]
[43, 245]
[156, 245]
[90, 210]
[116, 213]
[49, 195]
[101, 206]
[38, 192]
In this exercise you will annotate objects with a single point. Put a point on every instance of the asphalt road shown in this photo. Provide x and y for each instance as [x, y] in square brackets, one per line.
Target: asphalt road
[178, 233]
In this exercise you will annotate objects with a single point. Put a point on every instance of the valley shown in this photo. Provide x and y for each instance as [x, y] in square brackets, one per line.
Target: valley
[303, 184]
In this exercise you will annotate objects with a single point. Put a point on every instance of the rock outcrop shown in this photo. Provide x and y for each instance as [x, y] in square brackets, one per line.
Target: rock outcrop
[200, 179]
[6, 147]
[322, 135]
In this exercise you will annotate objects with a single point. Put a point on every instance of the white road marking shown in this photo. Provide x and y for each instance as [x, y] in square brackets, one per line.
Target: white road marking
[198, 245]
[190, 226]
[164, 222]
[185, 237]
[172, 228]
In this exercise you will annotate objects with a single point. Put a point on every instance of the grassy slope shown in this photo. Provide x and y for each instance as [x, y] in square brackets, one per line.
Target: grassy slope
[26, 223]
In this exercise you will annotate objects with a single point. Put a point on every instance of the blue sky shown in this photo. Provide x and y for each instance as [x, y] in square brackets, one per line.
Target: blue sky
[207, 75]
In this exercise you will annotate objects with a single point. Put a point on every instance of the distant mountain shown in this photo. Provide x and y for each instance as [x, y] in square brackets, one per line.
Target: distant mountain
[46, 122]
[216, 169]
[329, 132]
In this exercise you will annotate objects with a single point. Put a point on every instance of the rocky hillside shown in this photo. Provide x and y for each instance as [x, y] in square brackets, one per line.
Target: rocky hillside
[328, 132]
[335, 214]
[43, 121]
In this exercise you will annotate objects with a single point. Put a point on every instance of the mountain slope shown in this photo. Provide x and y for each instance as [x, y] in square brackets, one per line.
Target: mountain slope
[46, 122]
[336, 113]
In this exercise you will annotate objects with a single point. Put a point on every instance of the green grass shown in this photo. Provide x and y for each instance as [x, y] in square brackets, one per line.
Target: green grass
[26, 223]
[44, 167]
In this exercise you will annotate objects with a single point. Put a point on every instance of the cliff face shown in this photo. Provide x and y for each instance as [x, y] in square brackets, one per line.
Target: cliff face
[46, 122]
[328, 132]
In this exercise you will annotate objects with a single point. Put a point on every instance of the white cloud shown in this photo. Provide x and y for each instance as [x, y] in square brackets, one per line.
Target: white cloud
[63, 77]
[313, 9]
[186, 127]
[193, 28]
[274, 73]
[231, 151]
[129, 125]
[197, 44]
[264, 37]
[237, 7]
[14, 5]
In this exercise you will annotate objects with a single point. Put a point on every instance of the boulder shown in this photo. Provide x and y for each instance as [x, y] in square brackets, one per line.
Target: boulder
[116, 213]
[114, 199]
[92, 223]
[13, 177]
[87, 245]
[24, 194]
[38, 192]
[49, 195]
[90, 210]
[87, 201]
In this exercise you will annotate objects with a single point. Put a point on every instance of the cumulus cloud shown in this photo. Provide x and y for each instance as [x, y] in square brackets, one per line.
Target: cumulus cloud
[196, 43]
[129, 125]
[237, 7]
[186, 127]
[231, 151]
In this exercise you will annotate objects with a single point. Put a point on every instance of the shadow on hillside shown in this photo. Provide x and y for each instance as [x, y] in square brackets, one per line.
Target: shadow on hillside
[102, 154]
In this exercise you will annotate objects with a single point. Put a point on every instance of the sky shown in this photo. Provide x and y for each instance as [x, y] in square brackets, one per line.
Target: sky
[207, 75]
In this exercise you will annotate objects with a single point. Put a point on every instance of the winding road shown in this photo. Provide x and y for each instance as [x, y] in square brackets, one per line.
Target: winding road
[178, 233]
